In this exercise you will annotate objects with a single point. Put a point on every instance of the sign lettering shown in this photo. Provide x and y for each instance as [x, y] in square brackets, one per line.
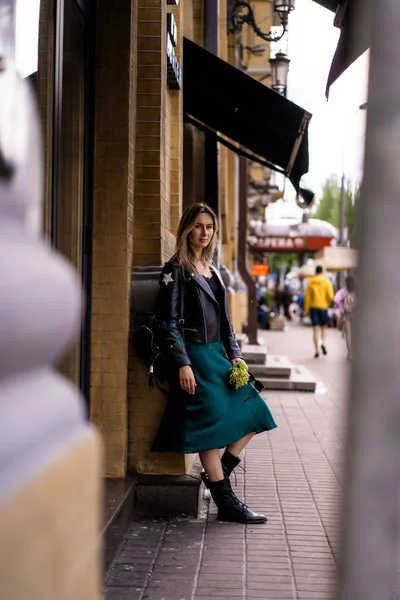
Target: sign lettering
[173, 67]
[290, 244]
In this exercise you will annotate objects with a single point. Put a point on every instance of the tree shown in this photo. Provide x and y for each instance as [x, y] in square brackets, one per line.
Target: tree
[353, 219]
[328, 208]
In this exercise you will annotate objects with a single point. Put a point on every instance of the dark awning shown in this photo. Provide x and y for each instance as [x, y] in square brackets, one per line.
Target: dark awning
[269, 128]
[355, 36]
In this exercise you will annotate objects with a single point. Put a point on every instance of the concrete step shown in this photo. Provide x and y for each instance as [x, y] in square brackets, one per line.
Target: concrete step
[300, 380]
[241, 339]
[253, 354]
[275, 366]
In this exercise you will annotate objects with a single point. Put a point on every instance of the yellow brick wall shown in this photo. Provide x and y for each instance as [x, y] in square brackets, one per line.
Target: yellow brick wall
[138, 203]
[223, 30]
[198, 21]
[176, 131]
[157, 208]
[263, 12]
[150, 160]
[113, 226]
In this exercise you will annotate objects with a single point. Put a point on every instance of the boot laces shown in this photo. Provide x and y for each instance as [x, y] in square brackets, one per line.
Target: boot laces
[234, 472]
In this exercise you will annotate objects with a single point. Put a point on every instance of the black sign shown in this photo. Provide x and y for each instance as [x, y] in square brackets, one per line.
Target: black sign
[173, 67]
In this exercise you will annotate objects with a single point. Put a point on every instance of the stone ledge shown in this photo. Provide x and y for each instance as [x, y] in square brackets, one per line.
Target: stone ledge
[168, 496]
[300, 380]
[253, 354]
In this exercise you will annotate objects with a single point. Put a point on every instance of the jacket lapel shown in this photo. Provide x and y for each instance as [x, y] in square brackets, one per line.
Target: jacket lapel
[204, 286]
[218, 274]
[222, 284]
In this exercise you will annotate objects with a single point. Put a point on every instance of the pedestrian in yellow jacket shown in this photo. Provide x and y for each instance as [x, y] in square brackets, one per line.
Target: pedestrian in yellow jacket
[318, 298]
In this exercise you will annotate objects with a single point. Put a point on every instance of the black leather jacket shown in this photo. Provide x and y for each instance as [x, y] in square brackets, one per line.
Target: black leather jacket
[204, 319]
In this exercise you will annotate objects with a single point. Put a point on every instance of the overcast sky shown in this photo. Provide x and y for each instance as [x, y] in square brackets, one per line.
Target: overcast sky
[337, 129]
[27, 35]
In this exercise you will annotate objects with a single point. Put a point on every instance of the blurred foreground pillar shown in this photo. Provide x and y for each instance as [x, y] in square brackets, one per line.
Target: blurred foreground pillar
[373, 454]
[50, 460]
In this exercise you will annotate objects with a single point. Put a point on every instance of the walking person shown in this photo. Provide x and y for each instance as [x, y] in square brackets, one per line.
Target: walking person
[318, 298]
[279, 299]
[300, 304]
[287, 302]
[203, 414]
[345, 301]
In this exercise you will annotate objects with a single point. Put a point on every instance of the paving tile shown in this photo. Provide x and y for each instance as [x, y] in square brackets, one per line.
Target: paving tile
[294, 475]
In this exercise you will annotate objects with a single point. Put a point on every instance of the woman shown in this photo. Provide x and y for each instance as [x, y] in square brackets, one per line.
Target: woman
[345, 303]
[203, 413]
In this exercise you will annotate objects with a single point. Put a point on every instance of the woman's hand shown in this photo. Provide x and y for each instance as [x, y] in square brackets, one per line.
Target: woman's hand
[234, 361]
[187, 380]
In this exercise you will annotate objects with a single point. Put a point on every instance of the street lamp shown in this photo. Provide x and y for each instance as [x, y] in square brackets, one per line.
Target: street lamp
[279, 72]
[284, 8]
[240, 13]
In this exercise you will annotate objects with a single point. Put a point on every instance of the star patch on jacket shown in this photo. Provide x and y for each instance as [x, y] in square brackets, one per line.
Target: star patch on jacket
[167, 278]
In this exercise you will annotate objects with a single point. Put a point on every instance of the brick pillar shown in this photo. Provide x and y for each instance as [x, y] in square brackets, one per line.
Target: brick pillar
[150, 135]
[176, 132]
[157, 207]
[113, 225]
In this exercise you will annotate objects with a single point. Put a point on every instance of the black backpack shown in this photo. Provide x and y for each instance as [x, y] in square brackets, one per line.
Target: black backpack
[149, 341]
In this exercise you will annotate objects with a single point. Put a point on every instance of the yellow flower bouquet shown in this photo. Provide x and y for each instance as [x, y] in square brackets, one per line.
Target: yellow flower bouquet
[238, 376]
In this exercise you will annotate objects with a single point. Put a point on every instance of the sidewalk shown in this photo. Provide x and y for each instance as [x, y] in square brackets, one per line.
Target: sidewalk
[293, 475]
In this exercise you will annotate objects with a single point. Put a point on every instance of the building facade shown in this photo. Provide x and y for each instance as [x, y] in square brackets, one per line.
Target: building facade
[142, 112]
[120, 165]
[126, 150]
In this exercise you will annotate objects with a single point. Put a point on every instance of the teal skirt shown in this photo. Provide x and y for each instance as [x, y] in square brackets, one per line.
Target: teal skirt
[216, 415]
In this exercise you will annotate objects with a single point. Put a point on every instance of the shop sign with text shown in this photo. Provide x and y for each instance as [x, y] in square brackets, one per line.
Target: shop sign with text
[291, 244]
[173, 67]
[259, 270]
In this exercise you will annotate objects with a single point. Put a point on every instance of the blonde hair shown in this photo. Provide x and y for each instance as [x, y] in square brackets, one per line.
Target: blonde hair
[184, 255]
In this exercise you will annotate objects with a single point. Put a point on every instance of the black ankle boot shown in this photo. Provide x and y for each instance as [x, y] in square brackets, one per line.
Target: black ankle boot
[228, 461]
[229, 507]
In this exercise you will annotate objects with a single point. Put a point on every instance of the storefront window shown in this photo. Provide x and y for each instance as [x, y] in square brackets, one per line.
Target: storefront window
[69, 224]
[26, 60]
[51, 51]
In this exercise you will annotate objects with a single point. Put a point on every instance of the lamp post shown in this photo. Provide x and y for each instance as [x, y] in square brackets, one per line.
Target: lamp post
[241, 13]
[284, 8]
[279, 72]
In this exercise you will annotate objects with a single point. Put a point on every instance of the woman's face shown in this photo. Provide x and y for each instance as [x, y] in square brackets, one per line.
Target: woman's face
[201, 234]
